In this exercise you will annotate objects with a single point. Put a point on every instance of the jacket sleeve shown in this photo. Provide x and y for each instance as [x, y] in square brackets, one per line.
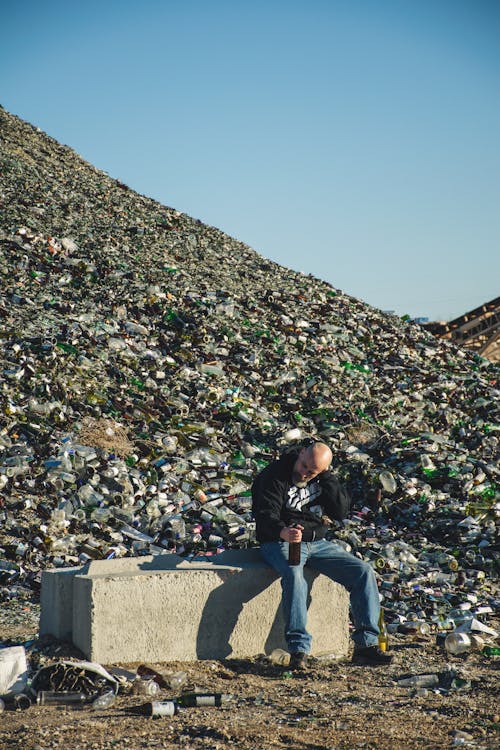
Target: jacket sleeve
[268, 494]
[335, 498]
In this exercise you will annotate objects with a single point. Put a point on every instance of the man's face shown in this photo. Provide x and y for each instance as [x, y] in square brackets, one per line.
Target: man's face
[305, 468]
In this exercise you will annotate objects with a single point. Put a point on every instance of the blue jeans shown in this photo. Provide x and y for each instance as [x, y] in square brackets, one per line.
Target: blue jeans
[333, 561]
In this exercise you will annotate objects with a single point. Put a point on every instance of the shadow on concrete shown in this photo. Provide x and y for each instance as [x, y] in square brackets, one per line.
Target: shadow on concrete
[222, 610]
[162, 562]
[225, 604]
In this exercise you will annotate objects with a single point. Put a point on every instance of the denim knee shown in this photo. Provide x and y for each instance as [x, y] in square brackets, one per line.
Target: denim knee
[293, 575]
[366, 572]
[366, 569]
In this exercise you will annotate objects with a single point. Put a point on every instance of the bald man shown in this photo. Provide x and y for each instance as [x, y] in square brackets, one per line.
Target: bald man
[290, 497]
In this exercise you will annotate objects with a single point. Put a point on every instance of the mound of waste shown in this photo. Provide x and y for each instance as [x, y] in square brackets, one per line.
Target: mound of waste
[152, 365]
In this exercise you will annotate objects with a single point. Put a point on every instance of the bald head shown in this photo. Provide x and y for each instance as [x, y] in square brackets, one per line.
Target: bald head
[321, 455]
[311, 461]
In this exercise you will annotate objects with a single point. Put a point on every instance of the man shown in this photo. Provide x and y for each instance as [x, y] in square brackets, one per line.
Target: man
[290, 496]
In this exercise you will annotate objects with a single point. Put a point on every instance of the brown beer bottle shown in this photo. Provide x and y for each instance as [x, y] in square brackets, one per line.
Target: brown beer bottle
[294, 552]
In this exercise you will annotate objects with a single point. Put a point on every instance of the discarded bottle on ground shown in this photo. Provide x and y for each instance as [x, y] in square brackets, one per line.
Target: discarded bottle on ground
[172, 680]
[60, 698]
[419, 680]
[142, 686]
[21, 702]
[155, 709]
[175, 680]
[280, 657]
[457, 643]
[104, 701]
[202, 699]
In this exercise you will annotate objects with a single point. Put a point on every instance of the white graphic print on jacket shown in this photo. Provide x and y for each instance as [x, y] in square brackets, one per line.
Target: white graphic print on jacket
[299, 497]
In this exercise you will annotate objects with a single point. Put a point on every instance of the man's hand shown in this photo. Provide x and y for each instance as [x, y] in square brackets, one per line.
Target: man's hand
[292, 533]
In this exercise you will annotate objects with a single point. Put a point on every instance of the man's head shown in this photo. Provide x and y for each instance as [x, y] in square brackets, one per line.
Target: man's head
[311, 461]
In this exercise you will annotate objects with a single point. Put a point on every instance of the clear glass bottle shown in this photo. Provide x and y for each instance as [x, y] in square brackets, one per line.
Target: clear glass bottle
[280, 657]
[419, 680]
[175, 680]
[105, 700]
[142, 686]
[457, 643]
[171, 680]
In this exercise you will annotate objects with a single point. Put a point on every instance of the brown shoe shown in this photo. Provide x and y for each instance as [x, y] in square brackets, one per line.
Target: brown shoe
[371, 656]
[298, 661]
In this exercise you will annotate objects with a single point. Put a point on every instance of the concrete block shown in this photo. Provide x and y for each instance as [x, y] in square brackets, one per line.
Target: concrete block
[56, 602]
[166, 608]
[56, 597]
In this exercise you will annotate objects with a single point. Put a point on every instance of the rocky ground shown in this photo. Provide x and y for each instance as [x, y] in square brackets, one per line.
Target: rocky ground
[334, 705]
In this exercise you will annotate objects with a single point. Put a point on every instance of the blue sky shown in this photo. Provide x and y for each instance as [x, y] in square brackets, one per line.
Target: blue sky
[357, 141]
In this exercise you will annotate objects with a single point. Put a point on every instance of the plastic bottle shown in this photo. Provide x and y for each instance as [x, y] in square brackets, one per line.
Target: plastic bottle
[383, 638]
[388, 482]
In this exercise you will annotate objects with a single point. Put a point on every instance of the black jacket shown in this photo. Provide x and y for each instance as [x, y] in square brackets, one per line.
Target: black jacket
[277, 503]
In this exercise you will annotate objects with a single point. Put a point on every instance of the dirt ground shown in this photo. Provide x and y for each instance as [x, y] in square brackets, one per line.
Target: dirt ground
[334, 705]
